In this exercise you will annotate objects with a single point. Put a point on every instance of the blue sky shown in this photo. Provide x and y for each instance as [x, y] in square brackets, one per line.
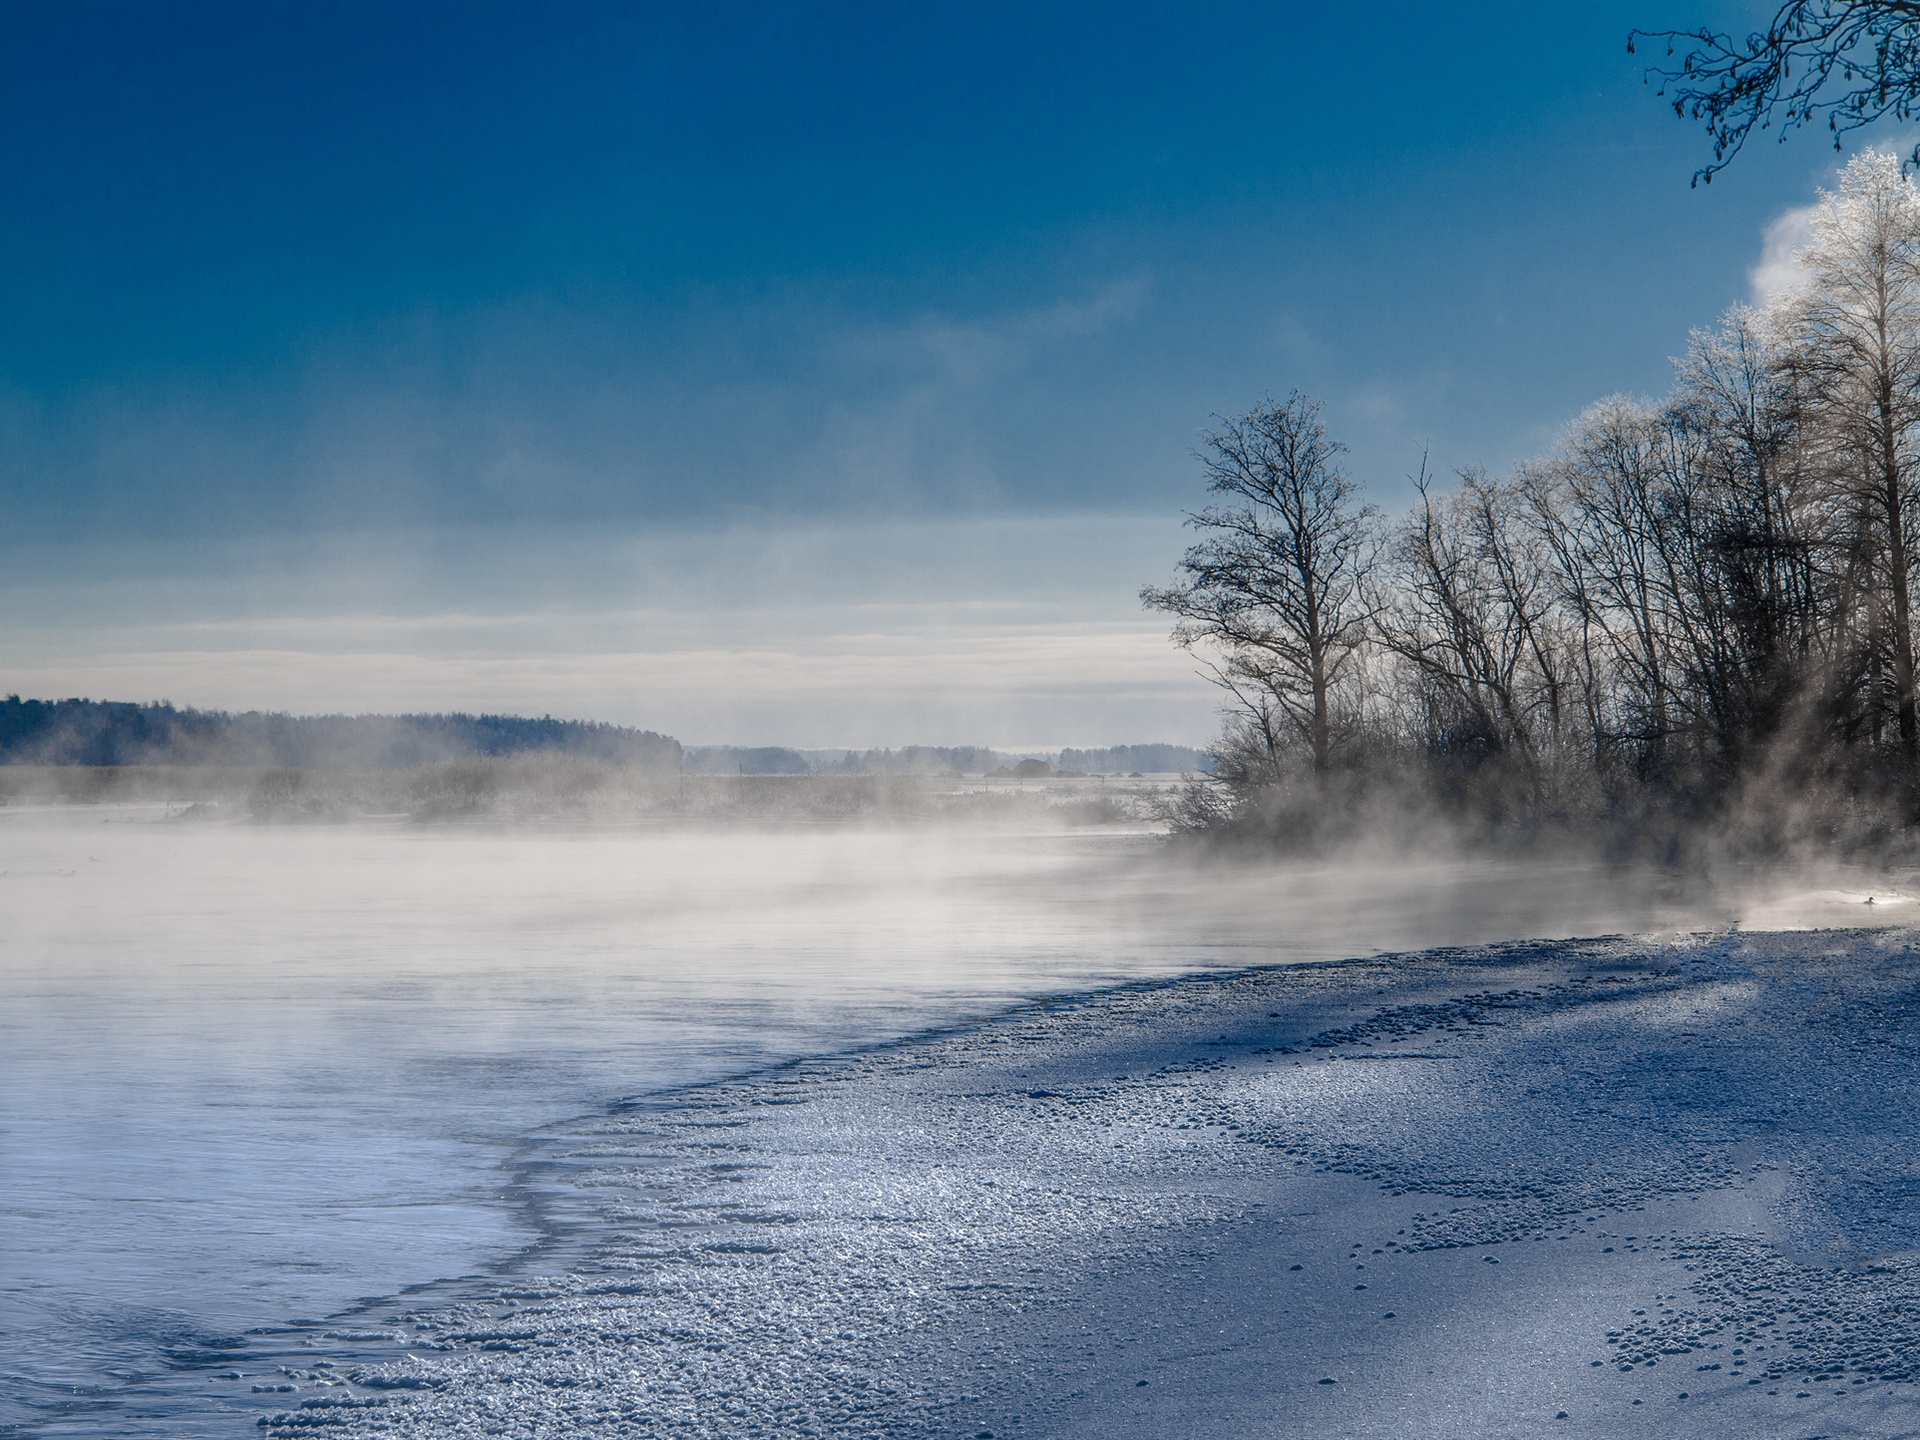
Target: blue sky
[808, 373]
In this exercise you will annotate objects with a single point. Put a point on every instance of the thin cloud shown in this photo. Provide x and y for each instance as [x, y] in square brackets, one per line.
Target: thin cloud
[1778, 272]
[998, 347]
[1013, 631]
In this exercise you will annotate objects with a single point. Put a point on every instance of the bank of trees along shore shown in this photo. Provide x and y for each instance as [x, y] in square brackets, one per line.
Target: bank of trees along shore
[1697, 608]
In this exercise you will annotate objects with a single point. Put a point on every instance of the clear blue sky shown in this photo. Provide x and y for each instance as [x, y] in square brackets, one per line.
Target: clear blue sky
[339, 312]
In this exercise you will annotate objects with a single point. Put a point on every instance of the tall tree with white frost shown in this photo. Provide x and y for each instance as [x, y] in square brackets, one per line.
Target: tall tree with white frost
[1856, 326]
[1273, 591]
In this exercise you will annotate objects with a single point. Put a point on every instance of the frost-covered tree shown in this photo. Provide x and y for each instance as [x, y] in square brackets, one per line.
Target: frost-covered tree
[1855, 327]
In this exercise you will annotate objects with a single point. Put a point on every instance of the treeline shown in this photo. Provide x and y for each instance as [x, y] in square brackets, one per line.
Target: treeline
[914, 760]
[981, 760]
[941, 760]
[1697, 609]
[110, 733]
[908, 760]
[1141, 759]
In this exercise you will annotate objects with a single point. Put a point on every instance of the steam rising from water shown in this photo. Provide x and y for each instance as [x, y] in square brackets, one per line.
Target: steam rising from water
[252, 1073]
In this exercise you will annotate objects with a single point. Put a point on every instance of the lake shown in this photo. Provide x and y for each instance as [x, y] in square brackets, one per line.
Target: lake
[253, 1075]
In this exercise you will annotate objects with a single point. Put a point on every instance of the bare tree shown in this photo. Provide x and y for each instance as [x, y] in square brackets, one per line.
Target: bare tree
[1273, 592]
[1852, 61]
[1597, 508]
[1473, 617]
[1759, 520]
[1690, 603]
[1856, 324]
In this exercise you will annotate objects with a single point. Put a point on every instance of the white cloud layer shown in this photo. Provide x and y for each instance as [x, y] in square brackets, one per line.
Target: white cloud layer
[1016, 633]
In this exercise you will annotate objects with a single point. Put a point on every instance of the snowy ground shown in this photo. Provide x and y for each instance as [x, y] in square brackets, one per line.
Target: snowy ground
[1587, 1189]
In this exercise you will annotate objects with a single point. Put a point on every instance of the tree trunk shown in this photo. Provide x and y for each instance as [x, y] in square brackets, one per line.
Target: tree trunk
[1902, 625]
[1898, 577]
[1322, 726]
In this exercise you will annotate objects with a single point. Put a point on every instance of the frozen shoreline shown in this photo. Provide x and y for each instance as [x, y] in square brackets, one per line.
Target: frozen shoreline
[1577, 1176]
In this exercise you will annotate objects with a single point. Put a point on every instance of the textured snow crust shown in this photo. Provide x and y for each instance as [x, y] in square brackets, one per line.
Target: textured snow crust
[1610, 1188]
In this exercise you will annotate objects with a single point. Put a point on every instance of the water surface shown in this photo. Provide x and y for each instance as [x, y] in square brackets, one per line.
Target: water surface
[251, 1075]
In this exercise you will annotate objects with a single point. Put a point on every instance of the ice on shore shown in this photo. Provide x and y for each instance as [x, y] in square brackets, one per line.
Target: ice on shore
[1597, 1188]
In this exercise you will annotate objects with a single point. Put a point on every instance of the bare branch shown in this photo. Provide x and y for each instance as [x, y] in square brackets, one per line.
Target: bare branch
[1853, 62]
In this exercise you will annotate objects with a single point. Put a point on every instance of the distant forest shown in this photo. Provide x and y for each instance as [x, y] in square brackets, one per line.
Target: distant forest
[1695, 617]
[112, 733]
[101, 732]
[942, 760]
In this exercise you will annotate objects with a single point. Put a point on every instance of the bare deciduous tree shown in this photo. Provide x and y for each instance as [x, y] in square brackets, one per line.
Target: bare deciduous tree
[1272, 593]
[1472, 616]
[1691, 604]
[1856, 324]
[1597, 508]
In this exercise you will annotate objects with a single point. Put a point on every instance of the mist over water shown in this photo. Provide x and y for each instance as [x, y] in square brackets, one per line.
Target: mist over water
[252, 1074]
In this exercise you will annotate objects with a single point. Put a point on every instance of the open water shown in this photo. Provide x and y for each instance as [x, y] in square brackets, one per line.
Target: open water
[252, 1077]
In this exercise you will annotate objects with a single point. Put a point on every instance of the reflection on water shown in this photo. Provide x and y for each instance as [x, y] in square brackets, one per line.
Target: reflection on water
[252, 1074]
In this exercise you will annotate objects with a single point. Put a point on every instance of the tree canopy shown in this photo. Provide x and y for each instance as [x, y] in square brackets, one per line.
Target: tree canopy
[1698, 608]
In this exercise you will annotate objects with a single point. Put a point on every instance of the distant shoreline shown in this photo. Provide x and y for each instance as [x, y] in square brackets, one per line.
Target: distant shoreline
[549, 787]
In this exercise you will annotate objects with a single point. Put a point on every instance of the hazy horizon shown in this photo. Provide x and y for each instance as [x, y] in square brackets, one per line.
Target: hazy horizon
[820, 382]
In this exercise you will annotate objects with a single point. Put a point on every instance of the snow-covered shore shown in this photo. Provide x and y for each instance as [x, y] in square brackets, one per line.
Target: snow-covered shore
[1606, 1188]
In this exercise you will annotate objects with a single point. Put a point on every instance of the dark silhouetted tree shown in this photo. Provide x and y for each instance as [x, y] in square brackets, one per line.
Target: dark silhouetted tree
[1273, 593]
[1853, 62]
